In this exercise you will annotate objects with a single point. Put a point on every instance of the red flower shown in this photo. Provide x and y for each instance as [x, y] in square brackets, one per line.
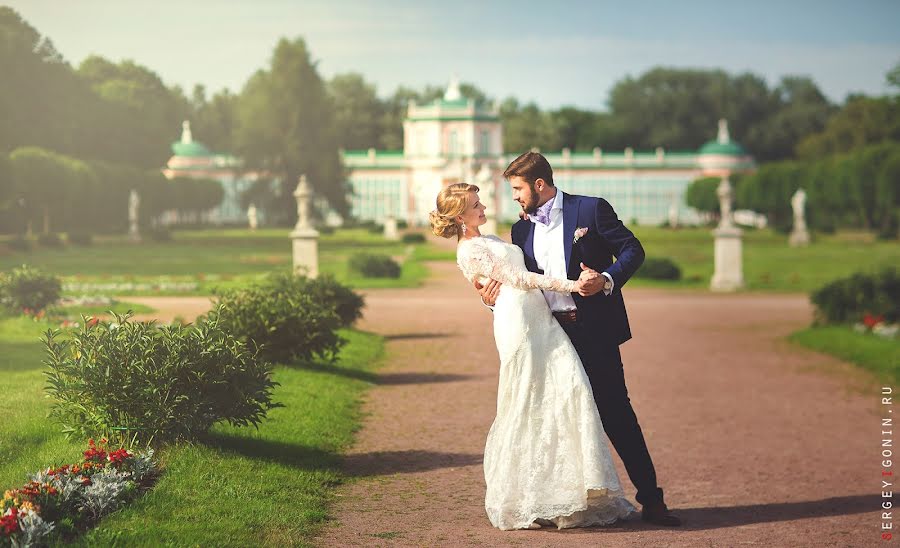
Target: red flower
[92, 322]
[9, 523]
[871, 321]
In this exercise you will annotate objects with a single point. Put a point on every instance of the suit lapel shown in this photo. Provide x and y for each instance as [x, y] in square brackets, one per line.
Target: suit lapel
[529, 240]
[570, 217]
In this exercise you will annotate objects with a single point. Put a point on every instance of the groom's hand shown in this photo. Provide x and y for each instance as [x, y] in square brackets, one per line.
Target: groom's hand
[489, 292]
[593, 281]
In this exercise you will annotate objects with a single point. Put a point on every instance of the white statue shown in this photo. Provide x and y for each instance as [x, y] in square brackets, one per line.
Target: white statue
[799, 234]
[134, 203]
[723, 191]
[252, 217]
[798, 203]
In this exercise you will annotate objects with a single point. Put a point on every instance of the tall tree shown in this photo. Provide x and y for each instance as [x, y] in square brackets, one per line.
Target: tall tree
[358, 112]
[860, 122]
[213, 120]
[286, 127]
[141, 116]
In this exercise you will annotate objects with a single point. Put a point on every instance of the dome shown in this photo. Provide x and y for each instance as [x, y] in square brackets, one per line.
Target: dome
[187, 147]
[722, 145]
[723, 149]
[192, 149]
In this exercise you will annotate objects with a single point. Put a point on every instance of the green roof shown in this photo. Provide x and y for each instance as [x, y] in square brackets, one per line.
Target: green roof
[724, 149]
[192, 149]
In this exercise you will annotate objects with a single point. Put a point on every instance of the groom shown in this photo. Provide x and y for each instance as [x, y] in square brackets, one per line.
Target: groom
[554, 241]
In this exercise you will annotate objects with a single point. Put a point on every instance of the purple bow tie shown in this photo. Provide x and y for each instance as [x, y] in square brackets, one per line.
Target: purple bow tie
[542, 215]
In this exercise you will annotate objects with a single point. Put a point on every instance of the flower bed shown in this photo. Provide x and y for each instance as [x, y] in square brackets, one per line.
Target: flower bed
[58, 503]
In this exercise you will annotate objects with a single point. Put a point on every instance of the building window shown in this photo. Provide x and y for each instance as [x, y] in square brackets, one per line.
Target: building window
[485, 142]
[453, 146]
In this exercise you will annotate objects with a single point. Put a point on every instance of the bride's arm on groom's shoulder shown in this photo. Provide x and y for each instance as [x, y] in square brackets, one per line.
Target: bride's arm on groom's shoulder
[626, 247]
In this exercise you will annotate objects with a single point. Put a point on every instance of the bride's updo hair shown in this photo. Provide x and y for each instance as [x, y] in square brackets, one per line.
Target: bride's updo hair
[451, 201]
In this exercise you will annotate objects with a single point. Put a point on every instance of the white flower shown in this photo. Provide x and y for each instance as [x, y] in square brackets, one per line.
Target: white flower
[579, 233]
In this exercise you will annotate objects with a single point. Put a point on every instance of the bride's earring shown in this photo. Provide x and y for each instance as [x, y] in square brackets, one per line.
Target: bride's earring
[463, 225]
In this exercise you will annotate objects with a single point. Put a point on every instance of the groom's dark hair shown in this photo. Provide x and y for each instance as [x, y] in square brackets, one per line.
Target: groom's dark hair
[530, 166]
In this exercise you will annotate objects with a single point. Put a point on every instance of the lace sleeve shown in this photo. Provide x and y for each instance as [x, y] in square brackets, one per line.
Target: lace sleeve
[476, 259]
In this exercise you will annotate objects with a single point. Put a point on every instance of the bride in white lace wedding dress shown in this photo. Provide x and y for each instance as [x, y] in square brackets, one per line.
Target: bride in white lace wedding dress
[547, 457]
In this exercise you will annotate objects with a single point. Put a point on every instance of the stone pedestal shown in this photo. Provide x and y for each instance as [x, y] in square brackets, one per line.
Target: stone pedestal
[390, 228]
[729, 261]
[306, 252]
[305, 238]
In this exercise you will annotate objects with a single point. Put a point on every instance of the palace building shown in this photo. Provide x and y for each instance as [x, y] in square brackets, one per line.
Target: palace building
[454, 139]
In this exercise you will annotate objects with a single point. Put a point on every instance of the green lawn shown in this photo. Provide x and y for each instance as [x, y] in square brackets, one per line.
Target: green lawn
[241, 487]
[197, 262]
[769, 263]
[877, 354]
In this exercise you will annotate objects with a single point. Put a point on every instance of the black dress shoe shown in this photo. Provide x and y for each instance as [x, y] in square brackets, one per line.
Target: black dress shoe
[659, 514]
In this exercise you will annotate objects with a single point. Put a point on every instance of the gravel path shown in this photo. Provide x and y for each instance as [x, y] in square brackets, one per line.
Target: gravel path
[755, 441]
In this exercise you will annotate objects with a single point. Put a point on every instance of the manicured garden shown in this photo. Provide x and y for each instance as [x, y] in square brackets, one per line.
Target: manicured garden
[249, 409]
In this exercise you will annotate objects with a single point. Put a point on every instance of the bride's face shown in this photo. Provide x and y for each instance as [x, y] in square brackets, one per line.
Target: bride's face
[474, 213]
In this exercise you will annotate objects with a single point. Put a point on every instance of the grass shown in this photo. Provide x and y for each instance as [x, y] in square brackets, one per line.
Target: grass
[200, 261]
[769, 263]
[240, 486]
[877, 354]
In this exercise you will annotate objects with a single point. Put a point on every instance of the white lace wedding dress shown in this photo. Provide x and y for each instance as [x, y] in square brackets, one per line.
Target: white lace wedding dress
[546, 455]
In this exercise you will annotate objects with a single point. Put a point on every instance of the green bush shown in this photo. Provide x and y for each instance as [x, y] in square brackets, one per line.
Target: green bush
[661, 268]
[50, 239]
[847, 300]
[137, 382]
[346, 303]
[19, 243]
[80, 237]
[374, 266]
[325, 230]
[27, 288]
[284, 320]
[159, 234]
[414, 238]
[375, 228]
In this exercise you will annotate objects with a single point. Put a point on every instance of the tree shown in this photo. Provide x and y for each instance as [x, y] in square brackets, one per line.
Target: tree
[140, 116]
[213, 121]
[6, 182]
[701, 195]
[358, 112]
[860, 122]
[527, 127]
[42, 179]
[286, 127]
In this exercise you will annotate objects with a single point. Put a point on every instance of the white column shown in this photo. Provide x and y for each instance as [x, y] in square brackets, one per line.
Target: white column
[305, 237]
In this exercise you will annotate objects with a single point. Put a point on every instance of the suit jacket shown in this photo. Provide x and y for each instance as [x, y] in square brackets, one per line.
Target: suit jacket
[606, 238]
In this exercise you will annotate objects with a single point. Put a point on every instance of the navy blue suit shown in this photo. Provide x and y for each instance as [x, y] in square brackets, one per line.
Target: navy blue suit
[603, 323]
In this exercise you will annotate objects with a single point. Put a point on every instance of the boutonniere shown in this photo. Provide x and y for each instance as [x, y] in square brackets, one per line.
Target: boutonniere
[579, 233]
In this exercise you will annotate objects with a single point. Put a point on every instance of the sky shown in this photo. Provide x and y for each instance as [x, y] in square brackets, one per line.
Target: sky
[554, 53]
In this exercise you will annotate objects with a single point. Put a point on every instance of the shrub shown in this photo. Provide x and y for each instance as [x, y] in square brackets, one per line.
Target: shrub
[374, 266]
[50, 239]
[285, 322]
[848, 300]
[375, 228]
[661, 268]
[414, 238]
[81, 237]
[325, 229]
[27, 288]
[159, 234]
[346, 303]
[19, 243]
[142, 383]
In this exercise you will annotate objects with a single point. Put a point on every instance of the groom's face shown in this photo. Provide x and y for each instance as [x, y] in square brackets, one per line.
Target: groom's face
[524, 193]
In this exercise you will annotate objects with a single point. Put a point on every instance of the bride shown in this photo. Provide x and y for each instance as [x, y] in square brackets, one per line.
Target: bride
[546, 459]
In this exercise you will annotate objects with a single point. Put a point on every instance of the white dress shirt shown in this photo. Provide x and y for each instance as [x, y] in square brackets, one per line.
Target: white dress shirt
[550, 253]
